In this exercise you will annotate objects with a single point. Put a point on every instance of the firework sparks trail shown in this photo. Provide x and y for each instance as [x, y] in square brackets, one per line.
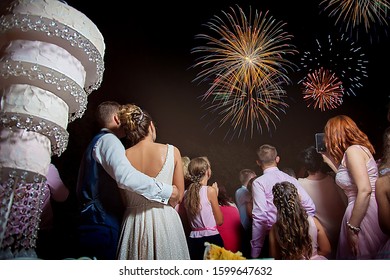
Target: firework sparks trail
[342, 56]
[245, 63]
[352, 14]
[323, 90]
[249, 112]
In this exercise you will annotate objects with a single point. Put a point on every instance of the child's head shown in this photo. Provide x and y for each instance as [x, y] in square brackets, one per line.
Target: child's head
[285, 196]
[198, 168]
[245, 175]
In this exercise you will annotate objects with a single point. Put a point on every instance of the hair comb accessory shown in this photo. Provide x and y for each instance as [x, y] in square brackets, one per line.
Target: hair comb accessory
[141, 115]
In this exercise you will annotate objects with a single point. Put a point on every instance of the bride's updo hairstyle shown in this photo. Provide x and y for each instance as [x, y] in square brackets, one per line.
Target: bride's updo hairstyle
[135, 122]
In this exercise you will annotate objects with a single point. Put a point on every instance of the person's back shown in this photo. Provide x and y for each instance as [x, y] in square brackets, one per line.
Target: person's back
[201, 208]
[103, 168]
[147, 225]
[243, 197]
[295, 235]
[350, 155]
[328, 198]
[232, 231]
[101, 207]
[330, 204]
[54, 190]
[149, 157]
[264, 211]
[319, 239]
[382, 194]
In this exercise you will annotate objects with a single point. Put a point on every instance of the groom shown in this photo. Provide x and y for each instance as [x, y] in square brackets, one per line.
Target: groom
[103, 168]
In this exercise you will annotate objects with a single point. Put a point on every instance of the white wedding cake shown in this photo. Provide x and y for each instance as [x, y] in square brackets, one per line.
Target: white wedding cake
[51, 59]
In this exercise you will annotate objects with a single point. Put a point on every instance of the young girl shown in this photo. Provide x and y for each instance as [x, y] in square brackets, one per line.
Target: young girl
[201, 208]
[295, 235]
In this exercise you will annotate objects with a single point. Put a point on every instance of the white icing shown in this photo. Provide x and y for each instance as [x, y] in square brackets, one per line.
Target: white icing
[63, 13]
[31, 100]
[67, 27]
[48, 55]
[24, 150]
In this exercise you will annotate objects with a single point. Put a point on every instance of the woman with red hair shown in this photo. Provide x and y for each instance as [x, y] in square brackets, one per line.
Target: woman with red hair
[350, 154]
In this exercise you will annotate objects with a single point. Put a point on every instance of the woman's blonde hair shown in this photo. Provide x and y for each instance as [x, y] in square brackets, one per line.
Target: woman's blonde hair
[135, 122]
[185, 161]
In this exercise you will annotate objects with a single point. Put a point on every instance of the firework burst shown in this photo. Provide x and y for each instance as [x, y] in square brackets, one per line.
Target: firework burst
[357, 14]
[243, 112]
[245, 63]
[341, 56]
[323, 90]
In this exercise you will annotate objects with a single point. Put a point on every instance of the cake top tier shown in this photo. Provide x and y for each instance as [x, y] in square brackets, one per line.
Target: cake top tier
[59, 11]
[56, 22]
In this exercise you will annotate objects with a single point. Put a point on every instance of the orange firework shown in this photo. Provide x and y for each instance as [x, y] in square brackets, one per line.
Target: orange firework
[323, 90]
[249, 109]
[245, 57]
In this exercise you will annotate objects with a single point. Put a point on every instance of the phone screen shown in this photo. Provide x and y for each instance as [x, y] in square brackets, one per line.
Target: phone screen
[320, 143]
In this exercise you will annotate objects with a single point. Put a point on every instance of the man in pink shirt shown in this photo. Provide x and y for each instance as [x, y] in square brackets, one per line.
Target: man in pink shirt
[264, 210]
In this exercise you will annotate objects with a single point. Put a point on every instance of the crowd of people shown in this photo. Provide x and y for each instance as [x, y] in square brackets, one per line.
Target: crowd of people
[144, 200]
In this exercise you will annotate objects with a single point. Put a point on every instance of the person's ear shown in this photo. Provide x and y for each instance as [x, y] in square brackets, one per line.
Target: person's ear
[208, 172]
[153, 131]
[117, 120]
[277, 159]
[152, 127]
[258, 162]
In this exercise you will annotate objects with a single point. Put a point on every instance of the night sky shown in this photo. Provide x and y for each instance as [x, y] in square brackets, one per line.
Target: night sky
[148, 61]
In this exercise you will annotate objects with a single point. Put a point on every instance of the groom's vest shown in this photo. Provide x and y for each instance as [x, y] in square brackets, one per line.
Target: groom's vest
[98, 192]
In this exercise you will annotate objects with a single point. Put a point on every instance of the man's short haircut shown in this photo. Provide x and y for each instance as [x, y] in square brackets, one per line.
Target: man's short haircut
[245, 175]
[105, 111]
[267, 153]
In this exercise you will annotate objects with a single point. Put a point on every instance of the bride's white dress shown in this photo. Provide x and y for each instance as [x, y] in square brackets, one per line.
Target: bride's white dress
[151, 230]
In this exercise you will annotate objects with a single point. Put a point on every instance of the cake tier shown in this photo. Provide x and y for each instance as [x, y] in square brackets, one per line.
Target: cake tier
[60, 24]
[25, 150]
[19, 72]
[45, 54]
[61, 12]
[47, 66]
[31, 100]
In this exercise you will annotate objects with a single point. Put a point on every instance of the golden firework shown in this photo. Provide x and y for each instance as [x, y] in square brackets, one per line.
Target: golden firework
[245, 62]
[354, 13]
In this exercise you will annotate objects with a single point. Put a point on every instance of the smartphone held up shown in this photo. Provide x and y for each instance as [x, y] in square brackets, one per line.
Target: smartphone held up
[320, 143]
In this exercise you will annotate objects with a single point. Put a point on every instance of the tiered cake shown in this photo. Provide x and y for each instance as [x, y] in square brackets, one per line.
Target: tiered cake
[51, 58]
